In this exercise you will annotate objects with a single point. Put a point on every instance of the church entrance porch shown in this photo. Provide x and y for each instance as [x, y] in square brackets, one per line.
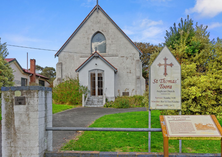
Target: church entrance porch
[98, 75]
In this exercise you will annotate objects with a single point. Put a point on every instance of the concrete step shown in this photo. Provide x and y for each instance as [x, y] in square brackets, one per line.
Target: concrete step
[94, 102]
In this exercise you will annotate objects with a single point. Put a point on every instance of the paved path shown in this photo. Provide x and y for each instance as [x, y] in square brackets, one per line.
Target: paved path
[80, 117]
[77, 117]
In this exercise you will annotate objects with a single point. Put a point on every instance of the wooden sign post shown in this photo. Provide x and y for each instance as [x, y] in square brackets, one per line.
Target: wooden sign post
[189, 127]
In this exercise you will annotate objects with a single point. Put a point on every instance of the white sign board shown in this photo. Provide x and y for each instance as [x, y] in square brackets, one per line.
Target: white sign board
[165, 82]
[191, 126]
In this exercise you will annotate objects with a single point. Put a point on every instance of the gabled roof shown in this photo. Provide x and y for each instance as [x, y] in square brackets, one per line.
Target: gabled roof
[29, 72]
[10, 60]
[96, 54]
[84, 21]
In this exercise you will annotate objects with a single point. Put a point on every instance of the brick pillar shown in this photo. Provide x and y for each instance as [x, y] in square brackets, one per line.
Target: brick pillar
[26, 112]
[32, 70]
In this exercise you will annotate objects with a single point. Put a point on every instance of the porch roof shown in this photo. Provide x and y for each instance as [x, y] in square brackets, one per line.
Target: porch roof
[96, 54]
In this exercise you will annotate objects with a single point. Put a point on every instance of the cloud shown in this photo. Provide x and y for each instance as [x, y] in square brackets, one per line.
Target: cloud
[146, 30]
[89, 3]
[206, 8]
[214, 25]
[148, 23]
[156, 3]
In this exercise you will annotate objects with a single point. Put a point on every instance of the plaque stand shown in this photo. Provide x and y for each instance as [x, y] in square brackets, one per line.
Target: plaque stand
[166, 135]
[180, 141]
[149, 134]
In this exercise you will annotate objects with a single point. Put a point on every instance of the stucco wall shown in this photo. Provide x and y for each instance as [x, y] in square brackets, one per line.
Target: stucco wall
[108, 76]
[119, 52]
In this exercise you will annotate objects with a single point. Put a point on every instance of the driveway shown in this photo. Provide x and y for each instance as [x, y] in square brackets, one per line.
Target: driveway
[80, 117]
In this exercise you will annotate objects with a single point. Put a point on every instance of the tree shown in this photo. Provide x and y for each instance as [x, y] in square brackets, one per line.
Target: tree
[147, 50]
[201, 68]
[185, 28]
[6, 74]
[47, 72]
[39, 69]
[3, 50]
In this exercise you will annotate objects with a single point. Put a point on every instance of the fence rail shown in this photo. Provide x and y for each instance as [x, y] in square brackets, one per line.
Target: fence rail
[103, 129]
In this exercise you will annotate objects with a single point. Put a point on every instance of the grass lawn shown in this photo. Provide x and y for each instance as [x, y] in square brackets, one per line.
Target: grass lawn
[61, 107]
[134, 141]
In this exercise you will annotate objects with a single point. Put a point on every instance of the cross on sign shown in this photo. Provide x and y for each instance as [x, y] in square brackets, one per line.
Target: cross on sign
[165, 66]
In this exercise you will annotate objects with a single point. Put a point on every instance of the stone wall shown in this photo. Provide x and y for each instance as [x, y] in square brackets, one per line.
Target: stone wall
[26, 112]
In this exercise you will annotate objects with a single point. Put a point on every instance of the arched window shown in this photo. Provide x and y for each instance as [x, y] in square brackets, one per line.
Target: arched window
[99, 43]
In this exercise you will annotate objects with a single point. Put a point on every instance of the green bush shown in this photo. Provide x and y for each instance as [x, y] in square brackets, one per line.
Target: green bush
[68, 92]
[122, 103]
[126, 102]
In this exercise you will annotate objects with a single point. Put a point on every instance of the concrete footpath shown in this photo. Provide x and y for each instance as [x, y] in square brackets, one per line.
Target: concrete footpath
[80, 117]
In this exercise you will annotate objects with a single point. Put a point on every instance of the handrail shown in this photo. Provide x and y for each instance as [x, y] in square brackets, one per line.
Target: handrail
[84, 100]
[103, 129]
[104, 97]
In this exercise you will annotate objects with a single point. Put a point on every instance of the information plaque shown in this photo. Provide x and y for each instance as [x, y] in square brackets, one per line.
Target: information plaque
[165, 82]
[20, 100]
[189, 127]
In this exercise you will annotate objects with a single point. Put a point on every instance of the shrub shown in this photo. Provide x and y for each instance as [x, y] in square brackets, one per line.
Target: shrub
[68, 92]
[122, 103]
[126, 102]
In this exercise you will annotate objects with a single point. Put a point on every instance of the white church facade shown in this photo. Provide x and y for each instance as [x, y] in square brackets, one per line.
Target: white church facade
[103, 57]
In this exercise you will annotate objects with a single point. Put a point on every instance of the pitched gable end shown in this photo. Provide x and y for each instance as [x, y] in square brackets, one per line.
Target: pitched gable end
[84, 21]
[96, 54]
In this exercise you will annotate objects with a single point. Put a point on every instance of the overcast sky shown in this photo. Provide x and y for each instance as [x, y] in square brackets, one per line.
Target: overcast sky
[47, 24]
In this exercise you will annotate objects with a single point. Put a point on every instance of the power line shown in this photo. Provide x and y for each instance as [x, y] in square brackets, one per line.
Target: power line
[31, 47]
[42, 49]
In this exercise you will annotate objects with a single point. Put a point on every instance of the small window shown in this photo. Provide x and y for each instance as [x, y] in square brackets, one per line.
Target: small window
[24, 81]
[99, 43]
[41, 83]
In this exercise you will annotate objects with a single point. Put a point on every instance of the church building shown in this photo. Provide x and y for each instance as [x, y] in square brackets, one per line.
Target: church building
[103, 57]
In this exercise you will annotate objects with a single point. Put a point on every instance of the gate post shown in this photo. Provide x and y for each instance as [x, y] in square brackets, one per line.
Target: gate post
[26, 112]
